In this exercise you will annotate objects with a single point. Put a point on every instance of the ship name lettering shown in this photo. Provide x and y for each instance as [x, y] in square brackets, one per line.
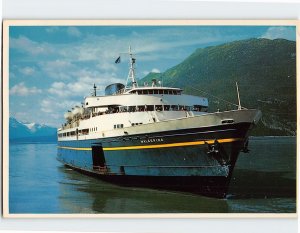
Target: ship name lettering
[152, 140]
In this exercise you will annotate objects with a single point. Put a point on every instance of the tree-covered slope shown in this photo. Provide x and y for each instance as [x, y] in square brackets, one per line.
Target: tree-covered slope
[264, 69]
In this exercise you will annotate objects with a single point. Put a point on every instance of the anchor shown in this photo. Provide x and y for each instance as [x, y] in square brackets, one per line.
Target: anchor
[213, 148]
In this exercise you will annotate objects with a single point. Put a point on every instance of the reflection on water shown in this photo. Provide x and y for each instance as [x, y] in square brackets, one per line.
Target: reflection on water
[264, 181]
[104, 197]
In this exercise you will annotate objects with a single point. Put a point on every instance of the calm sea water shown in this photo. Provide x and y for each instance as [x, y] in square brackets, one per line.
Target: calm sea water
[264, 181]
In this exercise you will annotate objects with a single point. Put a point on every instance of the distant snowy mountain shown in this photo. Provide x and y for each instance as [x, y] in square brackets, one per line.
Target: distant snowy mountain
[25, 131]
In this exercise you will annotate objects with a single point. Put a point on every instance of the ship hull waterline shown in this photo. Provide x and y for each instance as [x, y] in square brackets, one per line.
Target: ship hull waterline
[198, 160]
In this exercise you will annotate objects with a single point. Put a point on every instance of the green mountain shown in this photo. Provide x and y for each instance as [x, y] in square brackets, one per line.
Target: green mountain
[264, 69]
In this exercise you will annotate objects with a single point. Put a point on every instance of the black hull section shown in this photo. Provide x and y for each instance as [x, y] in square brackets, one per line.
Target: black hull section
[201, 185]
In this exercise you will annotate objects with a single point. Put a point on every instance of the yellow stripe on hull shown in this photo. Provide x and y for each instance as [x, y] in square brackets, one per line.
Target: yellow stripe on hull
[156, 146]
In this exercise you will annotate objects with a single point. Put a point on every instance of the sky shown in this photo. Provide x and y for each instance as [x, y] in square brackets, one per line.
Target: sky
[52, 68]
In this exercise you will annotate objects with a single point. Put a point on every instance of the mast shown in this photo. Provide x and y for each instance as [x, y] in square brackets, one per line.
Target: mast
[238, 95]
[131, 74]
[95, 90]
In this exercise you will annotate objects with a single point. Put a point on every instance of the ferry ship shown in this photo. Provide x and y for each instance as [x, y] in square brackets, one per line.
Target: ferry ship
[155, 136]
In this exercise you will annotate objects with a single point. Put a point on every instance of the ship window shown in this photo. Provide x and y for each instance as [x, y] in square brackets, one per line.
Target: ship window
[174, 107]
[141, 108]
[199, 108]
[132, 124]
[123, 109]
[181, 107]
[64, 134]
[115, 126]
[155, 91]
[132, 108]
[140, 92]
[87, 103]
[85, 131]
[119, 126]
[227, 121]
[150, 92]
[170, 92]
[150, 108]
[145, 92]
[166, 107]
[161, 92]
[158, 107]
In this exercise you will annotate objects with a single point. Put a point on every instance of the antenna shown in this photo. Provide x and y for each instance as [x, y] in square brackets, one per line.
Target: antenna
[131, 74]
[238, 94]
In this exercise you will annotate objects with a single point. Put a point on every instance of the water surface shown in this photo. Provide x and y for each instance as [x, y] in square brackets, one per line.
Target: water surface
[264, 181]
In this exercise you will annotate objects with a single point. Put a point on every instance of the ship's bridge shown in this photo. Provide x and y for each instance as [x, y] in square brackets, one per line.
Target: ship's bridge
[165, 98]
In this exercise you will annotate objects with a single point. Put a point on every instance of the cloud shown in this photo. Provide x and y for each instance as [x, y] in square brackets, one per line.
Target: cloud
[82, 86]
[155, 70]
[73, 31]
[22, 43]
[57, 69]
[288, 33]
[21, 90]
[145, 72]
[51, 105]
[27, 70]
[51, 29]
